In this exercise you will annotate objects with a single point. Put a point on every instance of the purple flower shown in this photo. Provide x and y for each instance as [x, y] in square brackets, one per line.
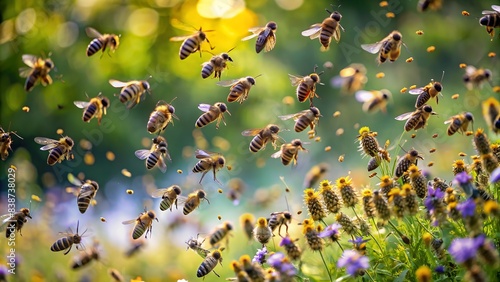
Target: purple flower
[281, 264]
[353, 262]
[495, 175]
[3, 272]
[330, 231]
[439, 269]
[464, 181]
[465, 248]
[467, 208]
[285, 241]
[358, 241]
[275, 259]
[260, 256]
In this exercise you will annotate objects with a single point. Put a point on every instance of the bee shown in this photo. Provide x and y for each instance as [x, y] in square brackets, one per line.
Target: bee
[211, 114]
[262, 137]
[101, 41]
[135, 248]
[162, 115]
[262, 232]
[459, 123]
[316, 173]
[155, 156]
[143, 224]
[374, 100]
[191, 43]
[330, 27]
[423, 5]
[209, 264]
[406, 161]
[59, 149]
[389, 47]
[66, 243]
[304, 119]
[208, 161]
[239, 88]
[306, 85]
[116, 275]
[351, 78]
[289, 152]
[86, 257]
[431, 90]
[418, 118]
[220, 232]
[247, 222]
[195, 245]
[86, 192]
[193, 200]
[266, 37]
[14, 222]
[5, 142]
[236, 189]
[216, 65]
[491, 19]
[168, 195]
[38, 70]
[491, 112]
[96, 107]
[132, 91]
[278, 219]
[475, 78]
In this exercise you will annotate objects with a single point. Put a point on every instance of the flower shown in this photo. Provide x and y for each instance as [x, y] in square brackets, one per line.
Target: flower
[331, 231]
[464, 249]
[279, 262]
[353, 261]
[464, 181]
[358, 241]
[495, 175]
[467, 208]
[439, 269]
[260, 256]
[423, 274]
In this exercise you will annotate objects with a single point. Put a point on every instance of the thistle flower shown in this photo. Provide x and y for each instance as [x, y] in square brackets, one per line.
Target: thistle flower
[331, 231]
[495, 149]
[423, 274]
[487, 251]
[458, 167]
[260, 256]
[279, 262]
[435, 205]
[346, 224]
[367, 141]
[438, 183]
[411, 202]
[313, 204]
[359, 244]
[418, 181]
[354, 262]
[349, 197]
[292, 250]
[313, 240]
[464, 181]
[481, 142]
[464, 250]
[398, 202]
[386, 184]
[254, 270]
[330, 198]
[363, 226]
[381, 206]
[368, 205]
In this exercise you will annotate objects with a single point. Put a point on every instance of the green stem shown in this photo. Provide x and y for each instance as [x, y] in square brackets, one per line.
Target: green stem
[340, 246]
[326, 266]
[368, 273]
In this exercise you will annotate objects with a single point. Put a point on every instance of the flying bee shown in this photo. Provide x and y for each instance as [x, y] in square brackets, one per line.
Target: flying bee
[236, 189]
[38, 70]
[220, 232]
[14, 222]
[316, 173]
[459, 123]
[406, 161]
[5, 142]
[155, 156]
[135, 248]
[162, 115]
[305, 118]
[96, 107]
[289, 152]
[239, 88]
[195, 245]
[216, 65]
[330, 27]
[266, 37]
[389, 47]
[431, 90]
[191, 43]
[306, 85]
[59, 149]
[143, 224]
[374, 100]
[86, 192]
[132, 91]
[491, 19]
[208, 161]
[101, 42]
[423, 5]
[212, 113]
[418, 118]
[86, 257]
[475, 78]
[262, 137]
[193, 200]
[66, 243]
[278, 219]
[491, 113]
[209, 264]
[351, 78]
[168, 195]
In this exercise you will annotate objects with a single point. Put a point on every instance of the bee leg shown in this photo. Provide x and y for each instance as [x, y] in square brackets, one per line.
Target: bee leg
[203, 175]
[215, 178]
[69, 249]
[216, 273]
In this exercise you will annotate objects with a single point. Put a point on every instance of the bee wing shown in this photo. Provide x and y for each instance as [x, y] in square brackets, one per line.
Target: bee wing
[25, 71]
[30, 60]
[180, 38]
[251, 132]
[450, 120]
[295, 79]
[91, 32]
[496, 8]
[142, 154]
[416, 91]
[181, 200]
[294, 116]
[117, 83]
[4, 220]
[347, 72]
[276, 155]
[470, 70]
[201, 154]
[227, 83]
[49, 143]
[404, 116]
[372, 48]
[313, 31]
[158, 193]
[81, 104]
[255, 31]
[129, 221]
[162, 165]
[204, 107]
[363, 96]
[270, 42]
[336, 33]
[73, 180]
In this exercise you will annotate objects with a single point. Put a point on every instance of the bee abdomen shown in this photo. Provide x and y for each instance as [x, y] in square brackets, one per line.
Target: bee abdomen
[83, 203]
[89, 113]
[302, 92]
[422, 99]
[256, 144]
[326, 33]
[287, 157]
[300, 125]
[94, 46]
[199, 167]
[151, 161]
[165, 204]
[62, 244]
[206, 266]
[188, 47]
[207, 70]
[216, 237]
[204, 119]
[30, 82]
[54, 156]
[138, 231]
[235, 93]
[128, 93]
[188, 208]
[155, 122]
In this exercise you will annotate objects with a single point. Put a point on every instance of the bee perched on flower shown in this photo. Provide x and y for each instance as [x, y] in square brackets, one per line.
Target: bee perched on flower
[312, 236]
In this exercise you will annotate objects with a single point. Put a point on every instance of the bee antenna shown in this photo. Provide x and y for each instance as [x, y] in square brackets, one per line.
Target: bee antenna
[282, 178]
[257, 76]
[209, 51]
[442, 76]
[231, 49]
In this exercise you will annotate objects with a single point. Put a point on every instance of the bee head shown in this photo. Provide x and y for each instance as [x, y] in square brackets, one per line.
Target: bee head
[315, 77]
[221, 161]
[202, 35]
[272, 25]
[4, 136]
[171, 109]
[228, 226]
[177, 190]
[251, 80]
[497, 123]
[396, 36]
[151, 214]
[315, 111]
[427, 109]
[145, 85]
[222, 107]
[336, 16]
[105, 102]
[49, 64]
[68, 141]
[201, 194]
[484, 21]
[487, 73]
[469, 116]
[297, 142]
[226, 57]
[287, 215]
[274, 128]
[216, 254]
[115, 41]
[26, 212]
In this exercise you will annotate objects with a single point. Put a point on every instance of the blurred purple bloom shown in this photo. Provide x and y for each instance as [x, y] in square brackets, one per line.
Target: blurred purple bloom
[285, 241]
[439, 269]
[465, 248]
[3, 271]
[467, 208]
[358, 241]
[281, 264]
[260, 256]
[464, 181]
[275, 259]
[353, 262]
[330, 230]
[495, 175]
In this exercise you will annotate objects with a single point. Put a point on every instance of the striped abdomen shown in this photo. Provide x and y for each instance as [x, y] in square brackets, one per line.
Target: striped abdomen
[206, 118]
[303, 92]
[87, 193]
[130, 92]
[257, 143]
[90, 112]
[288, 155]
[94, 46]
[207, 70]
[188, 47]
[166, 203]
[152, 159]
[206, 266]
[302, 123]
[65, 243]
[56, 155]
[327, 28]
[237, 94]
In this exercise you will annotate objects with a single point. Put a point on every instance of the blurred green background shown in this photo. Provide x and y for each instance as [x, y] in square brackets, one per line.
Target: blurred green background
[57, 29]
